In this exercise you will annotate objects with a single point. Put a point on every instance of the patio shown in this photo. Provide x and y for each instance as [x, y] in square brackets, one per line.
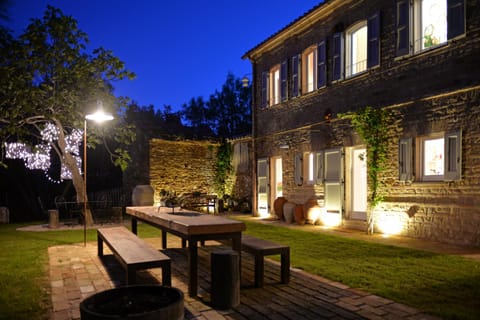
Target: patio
[76, 272]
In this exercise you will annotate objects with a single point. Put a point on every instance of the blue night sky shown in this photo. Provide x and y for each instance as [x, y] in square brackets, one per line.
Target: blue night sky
[178, 49]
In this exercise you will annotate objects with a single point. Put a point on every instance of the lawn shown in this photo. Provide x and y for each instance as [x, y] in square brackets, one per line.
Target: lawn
[442, 285]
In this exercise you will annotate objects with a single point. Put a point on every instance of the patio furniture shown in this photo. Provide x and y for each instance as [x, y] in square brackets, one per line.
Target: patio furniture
[192, 227]
[260, 248]
[133, 253]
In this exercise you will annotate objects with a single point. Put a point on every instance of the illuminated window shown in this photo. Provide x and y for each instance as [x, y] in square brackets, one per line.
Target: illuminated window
[424, 24]
[275, 84]
[309, 66]
[440, 157]
[309, 167]
[356, 49]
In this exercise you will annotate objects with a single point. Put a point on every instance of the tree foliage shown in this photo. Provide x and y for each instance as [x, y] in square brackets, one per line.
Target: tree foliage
[48, 77]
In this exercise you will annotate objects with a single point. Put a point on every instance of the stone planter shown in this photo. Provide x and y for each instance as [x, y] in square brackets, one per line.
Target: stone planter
[288, 211]
[140, 302]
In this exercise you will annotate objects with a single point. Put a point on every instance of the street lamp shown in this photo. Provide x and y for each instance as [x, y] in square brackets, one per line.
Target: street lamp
[99, 116]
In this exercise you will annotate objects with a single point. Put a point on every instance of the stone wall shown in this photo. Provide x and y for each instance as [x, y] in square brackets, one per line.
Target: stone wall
[182, 166]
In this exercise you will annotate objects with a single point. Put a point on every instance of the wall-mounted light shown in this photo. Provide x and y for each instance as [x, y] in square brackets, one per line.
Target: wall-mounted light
[246, 81]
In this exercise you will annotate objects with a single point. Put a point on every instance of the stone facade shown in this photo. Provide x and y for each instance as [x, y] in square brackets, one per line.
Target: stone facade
[182, 166]
[430, 92]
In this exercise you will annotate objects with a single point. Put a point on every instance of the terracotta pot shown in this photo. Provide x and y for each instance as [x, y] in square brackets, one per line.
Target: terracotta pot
[278, 207]
[311, 211]
[288, 211]
[299, 216]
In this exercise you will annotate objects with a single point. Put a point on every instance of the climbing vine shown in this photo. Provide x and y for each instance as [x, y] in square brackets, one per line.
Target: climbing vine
[373, 127]
[223, 168]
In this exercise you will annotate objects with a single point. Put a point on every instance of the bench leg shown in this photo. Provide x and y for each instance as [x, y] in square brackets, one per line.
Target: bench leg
[164, 239]
[131, 276]
[259, 270]
[285, 265]
[166, 275]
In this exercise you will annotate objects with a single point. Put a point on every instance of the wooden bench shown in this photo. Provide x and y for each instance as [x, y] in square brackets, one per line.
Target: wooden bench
[260, 248]
[133, 253]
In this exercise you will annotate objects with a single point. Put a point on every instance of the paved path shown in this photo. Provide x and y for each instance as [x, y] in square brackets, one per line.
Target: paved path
[76, 273]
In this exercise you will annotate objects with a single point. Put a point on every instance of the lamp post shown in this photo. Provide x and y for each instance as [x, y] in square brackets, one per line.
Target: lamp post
[99, 116]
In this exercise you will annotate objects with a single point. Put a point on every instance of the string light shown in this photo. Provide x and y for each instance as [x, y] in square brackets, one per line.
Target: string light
[38, 157]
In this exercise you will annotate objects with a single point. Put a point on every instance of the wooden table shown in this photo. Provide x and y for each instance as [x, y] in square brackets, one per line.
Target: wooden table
[191, 227]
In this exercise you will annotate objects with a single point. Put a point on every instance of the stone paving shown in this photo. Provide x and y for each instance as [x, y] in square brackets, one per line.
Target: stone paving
[76, 272]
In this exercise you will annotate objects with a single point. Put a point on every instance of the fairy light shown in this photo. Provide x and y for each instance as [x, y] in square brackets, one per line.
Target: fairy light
[38, 156]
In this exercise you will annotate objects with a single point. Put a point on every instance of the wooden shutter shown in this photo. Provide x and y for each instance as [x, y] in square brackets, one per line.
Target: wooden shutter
[455, 18]
[402, 27]
[453, 156]
[319, 168]
[296, 67]
[265, 89]
[322, 64]
[284, 81]
[337, 58]
[298, 169]
[405, 159]
[373, 49]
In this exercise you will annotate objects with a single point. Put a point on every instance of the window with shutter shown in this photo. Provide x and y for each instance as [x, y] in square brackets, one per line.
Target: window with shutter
[455, 18]
[373, 52]
[356, 44]
[284, 81]
[309, 69]
[274, 85]
[402, 28]
[405, 159]
[322, 64]
[298, 169]
[295, 76]
[265, 91]
[453, 156]
[337, 59]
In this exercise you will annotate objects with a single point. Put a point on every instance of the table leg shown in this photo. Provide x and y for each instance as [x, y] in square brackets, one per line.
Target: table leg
[134, 225]
[193, 264]
[164, 239]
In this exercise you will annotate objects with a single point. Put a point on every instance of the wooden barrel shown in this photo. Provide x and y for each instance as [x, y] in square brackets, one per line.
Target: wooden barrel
[139, 302]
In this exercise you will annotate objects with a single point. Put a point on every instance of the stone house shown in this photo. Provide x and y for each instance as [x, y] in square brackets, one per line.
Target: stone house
[418, 58]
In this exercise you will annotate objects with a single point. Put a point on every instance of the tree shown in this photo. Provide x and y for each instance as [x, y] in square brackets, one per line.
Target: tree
[48, 83]
[373, 127]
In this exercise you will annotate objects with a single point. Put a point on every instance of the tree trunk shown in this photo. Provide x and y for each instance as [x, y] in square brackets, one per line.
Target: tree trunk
[69, 161]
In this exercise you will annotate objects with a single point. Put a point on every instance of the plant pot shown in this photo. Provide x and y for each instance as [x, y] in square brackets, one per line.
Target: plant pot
[142, 195]
[288, 211]
[299, 217]
[278, 207]
[140, 302]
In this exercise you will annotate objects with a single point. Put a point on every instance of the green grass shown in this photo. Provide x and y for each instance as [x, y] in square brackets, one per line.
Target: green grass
[442, 285]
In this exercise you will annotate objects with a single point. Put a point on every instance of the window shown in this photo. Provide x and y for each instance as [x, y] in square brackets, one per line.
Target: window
[274, 85]
[309, 63]
[356, 49]
[427, 23]
[440, 157]
[309, 167]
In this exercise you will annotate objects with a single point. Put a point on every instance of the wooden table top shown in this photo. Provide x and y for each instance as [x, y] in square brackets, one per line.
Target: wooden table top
[185, 221]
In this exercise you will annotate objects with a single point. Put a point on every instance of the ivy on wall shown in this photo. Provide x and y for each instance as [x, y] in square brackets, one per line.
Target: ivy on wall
[373, 127]
[223, 169]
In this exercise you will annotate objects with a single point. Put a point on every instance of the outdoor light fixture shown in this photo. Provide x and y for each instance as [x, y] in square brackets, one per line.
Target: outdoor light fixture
[245, 81]
[99, 116]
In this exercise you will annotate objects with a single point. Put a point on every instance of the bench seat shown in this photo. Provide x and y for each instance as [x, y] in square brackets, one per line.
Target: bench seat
[260, 248]
[133, 253]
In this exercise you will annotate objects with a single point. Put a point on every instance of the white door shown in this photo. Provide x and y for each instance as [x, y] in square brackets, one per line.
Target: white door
[359, 184]
[262, 187]
[334, 182]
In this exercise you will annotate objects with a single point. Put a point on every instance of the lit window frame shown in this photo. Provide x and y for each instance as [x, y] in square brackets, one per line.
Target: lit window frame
[309, 69]
[350, 47]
